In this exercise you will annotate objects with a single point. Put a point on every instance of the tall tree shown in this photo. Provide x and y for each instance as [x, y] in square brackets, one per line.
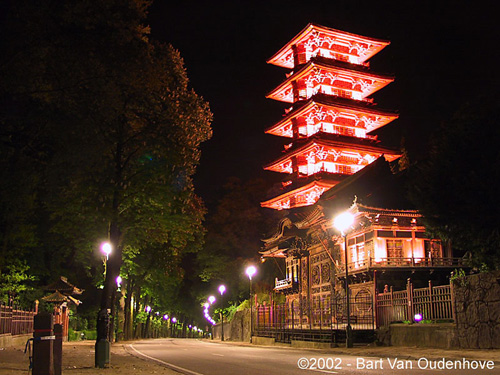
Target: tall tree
[456, 188]
[234, 236]
[117, 127]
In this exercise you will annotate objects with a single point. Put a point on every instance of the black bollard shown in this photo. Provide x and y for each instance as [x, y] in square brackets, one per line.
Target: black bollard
[58, 333]
[102, 345]
[43, 342]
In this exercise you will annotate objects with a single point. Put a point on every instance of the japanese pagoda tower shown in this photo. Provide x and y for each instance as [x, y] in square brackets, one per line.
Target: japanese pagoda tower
[331, 115]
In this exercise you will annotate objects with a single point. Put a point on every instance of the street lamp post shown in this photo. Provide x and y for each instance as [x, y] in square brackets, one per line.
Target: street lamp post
[222, 289]
[250, 271]
[342, 222]
[102, 345]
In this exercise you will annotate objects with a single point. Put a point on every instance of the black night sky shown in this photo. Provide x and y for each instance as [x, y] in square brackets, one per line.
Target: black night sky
[441, 52]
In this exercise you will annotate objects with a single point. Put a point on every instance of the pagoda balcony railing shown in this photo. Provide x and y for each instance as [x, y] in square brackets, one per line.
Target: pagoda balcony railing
[370, 263]
[287, 285]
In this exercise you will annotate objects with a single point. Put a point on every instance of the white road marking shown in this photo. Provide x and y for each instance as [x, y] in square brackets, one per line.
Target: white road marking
[173, 367]
[220, 355]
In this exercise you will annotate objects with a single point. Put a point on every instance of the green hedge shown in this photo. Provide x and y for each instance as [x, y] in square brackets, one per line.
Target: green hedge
[77, 335]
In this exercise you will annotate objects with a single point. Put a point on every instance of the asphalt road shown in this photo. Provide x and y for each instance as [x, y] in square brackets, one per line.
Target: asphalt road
[195, 357]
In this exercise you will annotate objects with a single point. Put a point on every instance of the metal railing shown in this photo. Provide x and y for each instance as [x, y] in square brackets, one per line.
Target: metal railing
[368, 263]
[323, 320]
[434, 303]
[15, 321]
[285, 283]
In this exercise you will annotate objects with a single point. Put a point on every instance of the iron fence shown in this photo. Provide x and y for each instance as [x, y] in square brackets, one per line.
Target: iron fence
[434, 303]
[321, 320]
[15, 321]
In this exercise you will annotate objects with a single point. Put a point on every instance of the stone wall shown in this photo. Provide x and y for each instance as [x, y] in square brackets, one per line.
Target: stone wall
[7, 340]
[477, 310]
[238, 329]
[442, 335]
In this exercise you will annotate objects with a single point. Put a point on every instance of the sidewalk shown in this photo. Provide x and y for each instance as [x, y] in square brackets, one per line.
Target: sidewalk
[78, 359]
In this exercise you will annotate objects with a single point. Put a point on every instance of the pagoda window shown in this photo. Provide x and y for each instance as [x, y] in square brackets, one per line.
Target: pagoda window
[344, 169]
[394, 249]
[369, 249]
[433, 249]
[343, 131]
[338, 56]
[342, 93]
[360, 250]
[292, 269]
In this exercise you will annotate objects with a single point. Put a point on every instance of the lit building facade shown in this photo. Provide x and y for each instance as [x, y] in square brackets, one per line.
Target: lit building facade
[334, 165]
[331, 115]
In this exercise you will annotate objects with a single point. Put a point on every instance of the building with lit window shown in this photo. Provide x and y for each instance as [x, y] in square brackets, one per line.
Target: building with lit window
[332, 165]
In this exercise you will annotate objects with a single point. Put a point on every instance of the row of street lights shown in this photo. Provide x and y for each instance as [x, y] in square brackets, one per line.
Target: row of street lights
[106, 250]
[342, 223]
[211, 300]
[250, 271]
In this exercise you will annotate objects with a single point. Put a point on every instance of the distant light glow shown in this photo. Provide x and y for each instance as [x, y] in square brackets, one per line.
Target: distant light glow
[250, 271]
[165, 317]
[222, 289]
[174, 320]
[118, 281]
[418, 317]
[148, 309]
[211, 299]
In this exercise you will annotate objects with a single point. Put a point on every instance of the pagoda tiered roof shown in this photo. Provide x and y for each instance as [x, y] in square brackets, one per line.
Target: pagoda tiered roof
[324, 41]
[304, 195]
[336, 111]
[332, 113]
[359, 81]
[332, 148]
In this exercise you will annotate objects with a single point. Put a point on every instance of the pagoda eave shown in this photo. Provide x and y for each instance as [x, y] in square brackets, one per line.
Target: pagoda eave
[284, 91]
[303, 196]
[282, 57]
[333, 145]
[384, 117]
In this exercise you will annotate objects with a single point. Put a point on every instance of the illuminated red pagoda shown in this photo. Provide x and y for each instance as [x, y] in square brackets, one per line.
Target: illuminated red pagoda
[331, 117]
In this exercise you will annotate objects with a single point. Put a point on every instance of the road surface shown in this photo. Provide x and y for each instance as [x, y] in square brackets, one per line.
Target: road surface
[196, 357]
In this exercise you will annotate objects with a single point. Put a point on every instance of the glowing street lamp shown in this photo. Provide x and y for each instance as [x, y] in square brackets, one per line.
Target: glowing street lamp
[211, 299]
[173, 327]
[250, 271]
[222, 289]
[343, 222]
[106, 249]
